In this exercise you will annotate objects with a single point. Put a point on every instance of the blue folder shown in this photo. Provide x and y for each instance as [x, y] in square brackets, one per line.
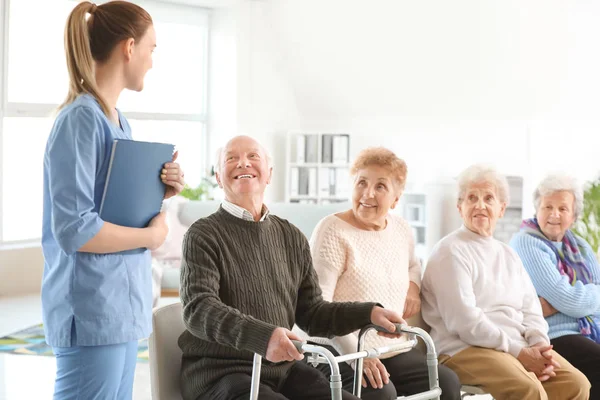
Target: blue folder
[134, 192]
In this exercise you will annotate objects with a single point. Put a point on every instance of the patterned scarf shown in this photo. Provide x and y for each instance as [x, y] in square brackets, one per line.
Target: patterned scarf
[571, 263]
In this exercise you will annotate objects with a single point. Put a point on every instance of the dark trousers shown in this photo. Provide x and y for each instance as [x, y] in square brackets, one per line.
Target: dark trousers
[302, 383]
[408, 375]
[584, 354]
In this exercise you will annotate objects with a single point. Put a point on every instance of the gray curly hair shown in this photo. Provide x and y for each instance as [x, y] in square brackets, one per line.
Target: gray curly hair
[558, 182]
[483, 173]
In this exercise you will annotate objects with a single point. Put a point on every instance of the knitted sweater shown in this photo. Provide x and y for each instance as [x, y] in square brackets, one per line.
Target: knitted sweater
[572, 302]
[239, 281]
[358, 265]
[476, 292]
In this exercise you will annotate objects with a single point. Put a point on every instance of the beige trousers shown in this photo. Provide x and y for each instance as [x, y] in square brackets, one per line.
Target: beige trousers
[504, 377]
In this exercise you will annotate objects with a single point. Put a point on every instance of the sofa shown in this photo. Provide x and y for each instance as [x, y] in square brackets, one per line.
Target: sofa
[304, 216]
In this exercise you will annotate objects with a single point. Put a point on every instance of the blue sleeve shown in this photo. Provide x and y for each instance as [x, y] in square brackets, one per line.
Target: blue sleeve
[591, 261]
[540, 262]
[71, 160]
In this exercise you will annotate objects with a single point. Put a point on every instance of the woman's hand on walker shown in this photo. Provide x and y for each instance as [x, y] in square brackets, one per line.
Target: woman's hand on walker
[172, 176]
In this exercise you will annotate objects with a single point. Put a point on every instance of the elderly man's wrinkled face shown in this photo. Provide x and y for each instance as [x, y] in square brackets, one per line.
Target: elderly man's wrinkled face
[244, 168]
[480, 208]
[556, 214]
[373, 196]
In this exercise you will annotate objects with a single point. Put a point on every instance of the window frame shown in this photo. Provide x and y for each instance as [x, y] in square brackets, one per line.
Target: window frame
[174, 12]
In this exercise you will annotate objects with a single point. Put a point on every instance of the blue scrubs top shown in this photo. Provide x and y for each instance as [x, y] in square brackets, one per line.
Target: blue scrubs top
[103, 298]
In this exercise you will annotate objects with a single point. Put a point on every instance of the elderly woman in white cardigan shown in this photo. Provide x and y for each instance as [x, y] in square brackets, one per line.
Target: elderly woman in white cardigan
[565, 272]
[483, 310]
[367, 253]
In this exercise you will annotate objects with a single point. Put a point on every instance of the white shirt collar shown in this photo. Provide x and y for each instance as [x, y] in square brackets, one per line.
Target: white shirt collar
[242, 213]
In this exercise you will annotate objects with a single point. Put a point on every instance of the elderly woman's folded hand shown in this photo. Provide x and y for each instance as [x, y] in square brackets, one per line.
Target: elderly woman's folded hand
[538, 359]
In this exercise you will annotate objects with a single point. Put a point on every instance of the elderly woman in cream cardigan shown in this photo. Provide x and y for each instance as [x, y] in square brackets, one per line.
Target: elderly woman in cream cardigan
[484, 313]
[364, 254]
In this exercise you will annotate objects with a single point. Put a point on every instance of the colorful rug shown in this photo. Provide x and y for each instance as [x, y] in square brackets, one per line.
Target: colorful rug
[31, 341]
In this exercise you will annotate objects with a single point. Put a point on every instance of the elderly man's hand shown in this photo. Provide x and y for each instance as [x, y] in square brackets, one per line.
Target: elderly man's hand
[386, 319]
[538, 359]
[280, 347]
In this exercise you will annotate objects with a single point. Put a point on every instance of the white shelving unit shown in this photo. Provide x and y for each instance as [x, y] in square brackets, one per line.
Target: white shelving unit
[317, 167]
[413, 208]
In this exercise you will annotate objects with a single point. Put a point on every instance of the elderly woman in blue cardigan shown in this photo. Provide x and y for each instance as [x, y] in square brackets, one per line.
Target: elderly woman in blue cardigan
[566, 274]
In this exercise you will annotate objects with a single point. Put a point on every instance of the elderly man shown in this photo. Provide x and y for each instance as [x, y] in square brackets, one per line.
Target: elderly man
[483, 310]
[246, 278]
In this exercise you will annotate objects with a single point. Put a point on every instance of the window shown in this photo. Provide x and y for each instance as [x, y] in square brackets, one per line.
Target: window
[32, 58]
[171, 108]
[24, 141]
[187, 136]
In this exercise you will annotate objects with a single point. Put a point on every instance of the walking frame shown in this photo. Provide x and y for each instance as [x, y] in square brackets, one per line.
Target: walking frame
[320, 355]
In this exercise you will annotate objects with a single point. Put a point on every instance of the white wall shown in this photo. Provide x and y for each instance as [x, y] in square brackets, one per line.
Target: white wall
[444, 84]
[222, 77]
[20, 270]
[258, 98]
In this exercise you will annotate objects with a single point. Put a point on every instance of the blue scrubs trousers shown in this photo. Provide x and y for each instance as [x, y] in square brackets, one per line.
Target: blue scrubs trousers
[95, 372]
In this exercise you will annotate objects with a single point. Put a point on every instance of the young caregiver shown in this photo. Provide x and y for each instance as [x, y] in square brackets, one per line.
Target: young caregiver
[96, 301]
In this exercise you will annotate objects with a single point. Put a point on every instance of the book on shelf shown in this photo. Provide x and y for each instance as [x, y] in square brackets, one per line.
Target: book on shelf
[294, 181]
[340, 149]
[324, 184]
[303, 177]
[334, 148]
[318, 167]
[311, 149]
[300, 148]
[312, 182]
[327, 149]
[415, 213]
[332, 186]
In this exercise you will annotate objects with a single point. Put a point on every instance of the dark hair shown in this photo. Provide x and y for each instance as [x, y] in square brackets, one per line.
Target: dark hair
[92, 39]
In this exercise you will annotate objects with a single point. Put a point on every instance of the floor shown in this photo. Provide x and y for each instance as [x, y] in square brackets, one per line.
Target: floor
[17, 371]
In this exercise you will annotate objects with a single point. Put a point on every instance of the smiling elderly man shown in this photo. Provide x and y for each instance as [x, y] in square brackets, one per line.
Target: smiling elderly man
[246, 278]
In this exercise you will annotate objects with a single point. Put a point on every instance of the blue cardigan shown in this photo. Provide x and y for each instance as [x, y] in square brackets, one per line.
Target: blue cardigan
[572, 302]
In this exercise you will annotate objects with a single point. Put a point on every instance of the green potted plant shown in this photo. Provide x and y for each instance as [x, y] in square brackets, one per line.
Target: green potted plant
[588, 224]
[194, 193]
[204, 191]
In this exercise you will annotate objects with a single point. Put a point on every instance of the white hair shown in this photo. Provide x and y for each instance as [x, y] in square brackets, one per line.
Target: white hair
[558, 182]
[479, 173]
[221, 150]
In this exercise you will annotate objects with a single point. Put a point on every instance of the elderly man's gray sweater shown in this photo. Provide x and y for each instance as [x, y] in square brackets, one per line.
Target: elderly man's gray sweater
[239, 281]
